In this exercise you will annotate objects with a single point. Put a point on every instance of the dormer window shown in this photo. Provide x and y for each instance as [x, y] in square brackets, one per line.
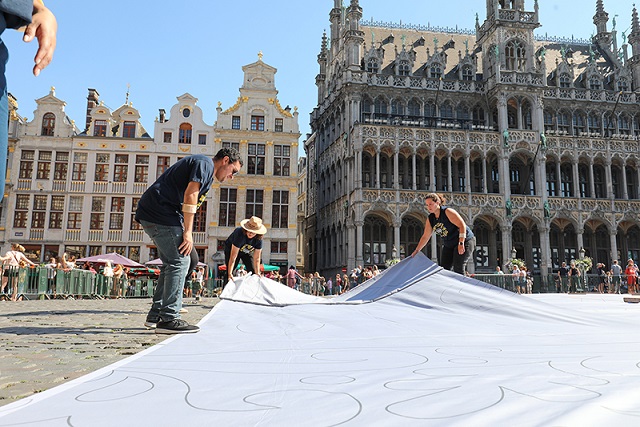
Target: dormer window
[403, 68]
[372, 65]
[623, 86]
[48, 124]
[467, 73]
[435, 72]
[595, 83]
[100, 128]
[564, 80]
[129, 130]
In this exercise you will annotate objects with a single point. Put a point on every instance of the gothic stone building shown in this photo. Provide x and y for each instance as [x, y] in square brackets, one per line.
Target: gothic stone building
[76, 190]
[533, 140]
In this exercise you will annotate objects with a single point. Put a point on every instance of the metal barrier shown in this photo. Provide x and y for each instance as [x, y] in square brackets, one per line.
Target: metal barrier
[552, 283]
[43, 282]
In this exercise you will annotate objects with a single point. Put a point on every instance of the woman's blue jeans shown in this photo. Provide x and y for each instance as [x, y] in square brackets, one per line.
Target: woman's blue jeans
[167, 298]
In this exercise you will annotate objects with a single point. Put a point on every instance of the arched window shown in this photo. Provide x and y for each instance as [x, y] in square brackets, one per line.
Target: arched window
[404, 69]
[552, 180]
[467, 72]
[616, 181]
[48, 124]
[410, 232]
[564, 80]
[584, 184]
[566, 180]
[548, 121]
[478, 116]
[366, 109]
[579, 123]
[375, 240]
[564, 121]
[414, 108]
[184, 136]
[372, 65]
[515, 56]
[380, 106]
[397, 107]
[594, 123]
[446, 110]
[624, 124]
[599, 182]
[527, 115]
[435, 72]
[430, 109]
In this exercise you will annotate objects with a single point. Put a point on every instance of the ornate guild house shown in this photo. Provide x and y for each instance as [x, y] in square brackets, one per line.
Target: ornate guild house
[534, 140]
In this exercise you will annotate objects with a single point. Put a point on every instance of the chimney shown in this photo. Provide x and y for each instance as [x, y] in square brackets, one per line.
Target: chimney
[92, 102]
[162, 114]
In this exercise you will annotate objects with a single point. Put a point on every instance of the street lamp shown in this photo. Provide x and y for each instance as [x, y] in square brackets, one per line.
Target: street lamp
[514, 253]
[581, 252]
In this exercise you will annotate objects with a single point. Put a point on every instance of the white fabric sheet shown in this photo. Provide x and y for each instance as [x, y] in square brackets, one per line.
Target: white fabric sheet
[417, 346]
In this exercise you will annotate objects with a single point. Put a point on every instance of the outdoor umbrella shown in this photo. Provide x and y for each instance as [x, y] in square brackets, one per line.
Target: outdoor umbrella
[113, 257]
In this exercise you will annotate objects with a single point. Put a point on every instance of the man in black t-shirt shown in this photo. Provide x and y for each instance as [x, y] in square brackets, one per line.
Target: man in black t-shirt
[563, 276]
[166, 211]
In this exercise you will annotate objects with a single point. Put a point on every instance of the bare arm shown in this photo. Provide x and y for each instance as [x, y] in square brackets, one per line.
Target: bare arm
[190, 198]
[232, 260]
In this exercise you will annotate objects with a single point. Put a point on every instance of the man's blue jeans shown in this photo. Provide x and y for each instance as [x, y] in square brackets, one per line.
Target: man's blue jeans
[167, 299]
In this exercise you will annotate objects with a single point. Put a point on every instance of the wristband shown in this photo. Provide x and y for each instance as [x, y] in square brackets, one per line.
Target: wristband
[187, 208]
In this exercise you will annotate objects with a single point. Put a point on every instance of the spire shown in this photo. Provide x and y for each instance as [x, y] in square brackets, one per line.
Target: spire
[634, 36]
[601, 18]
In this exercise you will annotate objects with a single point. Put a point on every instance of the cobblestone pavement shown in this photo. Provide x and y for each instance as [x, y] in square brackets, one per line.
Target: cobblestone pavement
[47, 343]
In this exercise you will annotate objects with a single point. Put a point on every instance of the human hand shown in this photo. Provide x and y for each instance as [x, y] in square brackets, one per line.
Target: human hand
[187, 243]
[44, 27]
[460, 249]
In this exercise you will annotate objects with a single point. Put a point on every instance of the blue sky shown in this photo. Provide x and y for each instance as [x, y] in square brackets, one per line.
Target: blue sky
[163, 49]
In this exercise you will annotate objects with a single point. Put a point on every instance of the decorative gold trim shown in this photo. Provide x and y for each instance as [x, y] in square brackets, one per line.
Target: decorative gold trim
[235, 106]
[282, 110]
[244, 141]
[217, 140]
[184, 149]
[82, 144]
[123, 145]
[269, 142]
[11, 149]
[104, 146]
[143, 146]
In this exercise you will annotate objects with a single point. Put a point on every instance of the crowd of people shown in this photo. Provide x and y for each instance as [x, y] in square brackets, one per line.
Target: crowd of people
[611, 280]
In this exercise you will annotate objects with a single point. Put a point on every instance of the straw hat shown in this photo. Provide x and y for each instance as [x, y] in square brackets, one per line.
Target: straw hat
[253, 225]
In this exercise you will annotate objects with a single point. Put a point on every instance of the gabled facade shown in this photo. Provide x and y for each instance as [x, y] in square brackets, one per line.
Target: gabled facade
[76, 191]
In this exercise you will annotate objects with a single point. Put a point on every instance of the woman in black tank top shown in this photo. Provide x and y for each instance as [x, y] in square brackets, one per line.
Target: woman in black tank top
[457, 238]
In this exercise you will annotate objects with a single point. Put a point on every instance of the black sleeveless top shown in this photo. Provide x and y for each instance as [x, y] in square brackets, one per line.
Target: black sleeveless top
[449, 232]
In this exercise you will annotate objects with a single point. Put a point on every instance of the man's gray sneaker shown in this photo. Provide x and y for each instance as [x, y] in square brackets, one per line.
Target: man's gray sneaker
[150, 325]
[176, 326]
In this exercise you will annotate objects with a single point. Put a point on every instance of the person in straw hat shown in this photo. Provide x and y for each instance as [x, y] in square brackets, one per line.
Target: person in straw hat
[245, 243]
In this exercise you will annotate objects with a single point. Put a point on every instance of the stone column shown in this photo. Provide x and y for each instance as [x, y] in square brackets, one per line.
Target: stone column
[359, 242]
[485, 178]
[576, 179]
[607, 174]
[506, 242]
[545, 262]
[351, 248]
[591, 183]
[413, 160]
[580, 238]
[377, 168]
[396, 164]
[467, 173]
[450, 172]
[397, 224]
[614, 246]
[625, 193]
[432, 172]
[558, 180]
